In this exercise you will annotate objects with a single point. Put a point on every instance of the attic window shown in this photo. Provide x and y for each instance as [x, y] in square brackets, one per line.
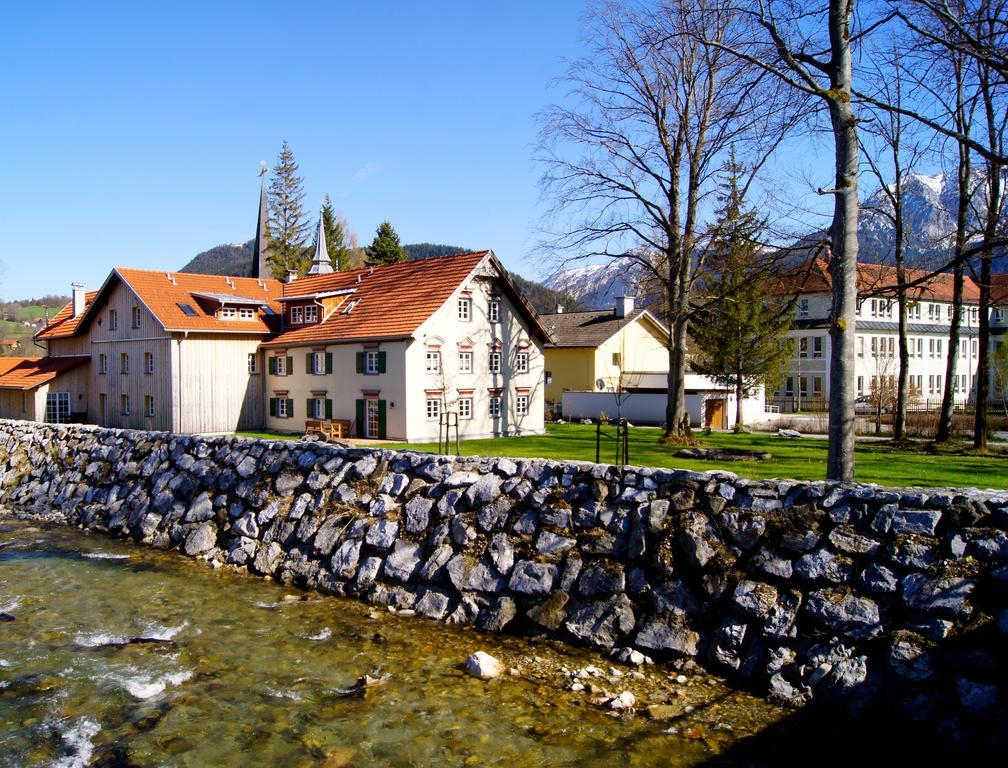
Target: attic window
[349, 307]
[187, 309]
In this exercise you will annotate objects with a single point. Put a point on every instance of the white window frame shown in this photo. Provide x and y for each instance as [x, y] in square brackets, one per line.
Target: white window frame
[465, 407]
[433, 408]
[371, 362]
[246, 313]
[311, 313]
[280, 366]
[149, 406]
[521, 362]
[521, 404]
[57, 408]
[464, 309]
[494, 363]
[817, 346]
[432, 361]
[318, 408]
[318, 363]
[297, 315]
[228, 313]
[803, 307]
[493, 311]
[253, 362]
[282, 408]
[465, 361]
[495, 406]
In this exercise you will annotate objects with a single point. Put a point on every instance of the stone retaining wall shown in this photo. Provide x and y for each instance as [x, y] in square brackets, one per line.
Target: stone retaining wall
[847, 593]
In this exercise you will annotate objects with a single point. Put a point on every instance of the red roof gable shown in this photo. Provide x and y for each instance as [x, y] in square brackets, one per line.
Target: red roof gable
[878, 279]
[62, 324]
[31, 372]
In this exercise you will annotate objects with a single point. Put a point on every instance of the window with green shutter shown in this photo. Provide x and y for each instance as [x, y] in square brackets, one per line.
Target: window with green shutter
[272, 366]
[328, 408]
[308, 363]
[328, 362]
[290, 409]
[382, 431]
[381, 362]
[360, 411]
[272, 403]
[360, 363]
[290, 366]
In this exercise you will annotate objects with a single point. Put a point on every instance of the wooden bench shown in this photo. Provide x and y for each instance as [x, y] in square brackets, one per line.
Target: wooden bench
[334, 429]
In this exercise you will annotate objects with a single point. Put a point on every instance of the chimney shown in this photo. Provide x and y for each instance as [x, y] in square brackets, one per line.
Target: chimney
[624, 305]
[78, 298]
[291, 276]
[559, 309]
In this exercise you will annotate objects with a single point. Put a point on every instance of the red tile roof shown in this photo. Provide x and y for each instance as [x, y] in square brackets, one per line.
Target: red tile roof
[392, 300]
[814, 277]
[62, 324]
[999, 288]
[31, 372]
[163, 292]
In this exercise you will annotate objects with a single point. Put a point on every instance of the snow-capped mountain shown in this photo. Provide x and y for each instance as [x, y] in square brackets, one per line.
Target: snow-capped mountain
[929, 209]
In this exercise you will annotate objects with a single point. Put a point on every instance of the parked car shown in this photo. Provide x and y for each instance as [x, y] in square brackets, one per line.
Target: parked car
[867, 404]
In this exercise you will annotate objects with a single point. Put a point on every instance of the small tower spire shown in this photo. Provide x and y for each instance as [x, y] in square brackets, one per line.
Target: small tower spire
[260, 251]
[320, 263]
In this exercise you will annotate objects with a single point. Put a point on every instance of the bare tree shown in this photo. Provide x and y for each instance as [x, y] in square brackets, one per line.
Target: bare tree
[808, 47]
[631, 162]
[895, 156]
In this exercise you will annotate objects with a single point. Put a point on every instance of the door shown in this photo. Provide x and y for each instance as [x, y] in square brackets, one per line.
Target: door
[372, 422]
[103, 410]
[715, 413]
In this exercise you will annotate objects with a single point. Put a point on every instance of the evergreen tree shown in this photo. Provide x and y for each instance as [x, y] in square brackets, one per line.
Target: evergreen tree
[385, 248]
[740, 333]
[337, 238]
[287, 225]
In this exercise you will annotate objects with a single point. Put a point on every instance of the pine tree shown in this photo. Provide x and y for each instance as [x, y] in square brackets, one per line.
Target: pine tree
[287, 225]
[385, 248]
[740, 334]
[337, 238]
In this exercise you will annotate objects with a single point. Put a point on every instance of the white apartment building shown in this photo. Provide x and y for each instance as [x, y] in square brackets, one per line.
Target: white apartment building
[806, 386]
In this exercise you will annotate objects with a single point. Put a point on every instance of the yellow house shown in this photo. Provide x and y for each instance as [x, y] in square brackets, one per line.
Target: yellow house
[616, 346]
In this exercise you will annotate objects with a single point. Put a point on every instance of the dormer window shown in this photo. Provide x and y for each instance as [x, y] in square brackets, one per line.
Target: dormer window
[246, 313]
[297, 315]
[311, 314]
[228, 313]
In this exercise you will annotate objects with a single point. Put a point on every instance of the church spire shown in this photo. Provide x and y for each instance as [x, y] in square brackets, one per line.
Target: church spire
[320, 263]
[260, 250]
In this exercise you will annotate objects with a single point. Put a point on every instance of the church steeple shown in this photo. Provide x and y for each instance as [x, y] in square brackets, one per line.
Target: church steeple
[260, 250]
[320, 263]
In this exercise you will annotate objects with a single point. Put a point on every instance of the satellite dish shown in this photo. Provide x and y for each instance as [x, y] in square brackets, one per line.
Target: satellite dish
[600, 383]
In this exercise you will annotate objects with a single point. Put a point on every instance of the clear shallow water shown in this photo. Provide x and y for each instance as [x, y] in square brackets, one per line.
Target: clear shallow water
[235, 671]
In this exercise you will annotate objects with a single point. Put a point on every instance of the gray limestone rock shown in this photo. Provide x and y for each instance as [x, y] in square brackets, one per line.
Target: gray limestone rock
[976, 698]
[417, 514]
[917, 521]
[602, 623]
[328, 534]
[265, 562]
[531, 578]
[668, 633]
[433, 604]
[726, 643]
[200, 510]
[403, 562]
[462, 531]
[435, 562]
[483, 491]
[842, 611]
[382, 534]
[497, 615]
[769, 563]
[755, 599]
[780, 620]
[344, 559]
[288, 482]
[246, 526]
[200, 540]
[846, 539]
[502, 553]
[550, 613]
[369, 569]
[947, 596]
[879, 579]
[493, 516]
[601, 580]
[823, 564]
[549, 543]
[699, 539]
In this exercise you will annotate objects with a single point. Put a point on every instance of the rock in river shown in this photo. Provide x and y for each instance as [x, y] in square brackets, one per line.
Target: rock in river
[484, 666]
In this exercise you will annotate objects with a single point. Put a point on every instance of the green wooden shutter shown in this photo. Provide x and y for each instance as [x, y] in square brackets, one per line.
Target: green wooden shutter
[328, 362]
[360, 416]
[307, 362]
[360, 362]
[308, 409]
[290, 408]
[290, 366]
[381, 362]
[381, 420]
[328, 409]
[272, 366]
[273, 402]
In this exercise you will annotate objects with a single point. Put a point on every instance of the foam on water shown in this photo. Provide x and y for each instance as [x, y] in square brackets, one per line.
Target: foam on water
[156, 631]
[283, 694]
[78, 738]
[11, 606]
[325, 634]
[145, 687]
[104, 556]
[97, 639]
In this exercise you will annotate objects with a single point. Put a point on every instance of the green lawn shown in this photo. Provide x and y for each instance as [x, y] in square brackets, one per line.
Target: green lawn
[802, 458]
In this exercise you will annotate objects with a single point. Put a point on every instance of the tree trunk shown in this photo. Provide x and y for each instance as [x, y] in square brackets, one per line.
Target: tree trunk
[843, 264]
[739, 391]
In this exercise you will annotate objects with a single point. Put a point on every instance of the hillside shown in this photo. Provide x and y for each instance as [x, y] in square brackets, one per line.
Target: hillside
[21, 319]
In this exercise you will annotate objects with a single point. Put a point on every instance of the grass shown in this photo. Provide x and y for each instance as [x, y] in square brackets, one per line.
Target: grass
[801, 458]
[269, 435]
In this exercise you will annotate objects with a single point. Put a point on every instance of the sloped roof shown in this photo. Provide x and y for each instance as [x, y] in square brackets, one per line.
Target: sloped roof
[62, 325]
[392, 300]
[590, 329]
[877, 279]
[31, 372]
[163, 293]
[999, 288]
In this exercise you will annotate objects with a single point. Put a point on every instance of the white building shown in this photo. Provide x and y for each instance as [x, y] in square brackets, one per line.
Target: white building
[806, 386]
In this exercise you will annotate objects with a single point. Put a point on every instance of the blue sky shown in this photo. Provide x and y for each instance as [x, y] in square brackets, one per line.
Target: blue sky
[133, 134]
